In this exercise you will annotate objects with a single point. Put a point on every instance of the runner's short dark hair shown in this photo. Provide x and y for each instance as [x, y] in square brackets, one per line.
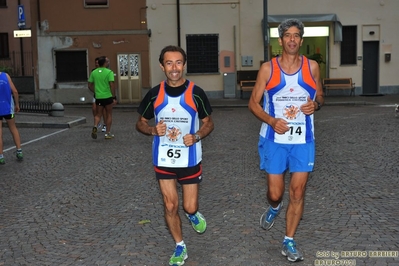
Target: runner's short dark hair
[172, 48]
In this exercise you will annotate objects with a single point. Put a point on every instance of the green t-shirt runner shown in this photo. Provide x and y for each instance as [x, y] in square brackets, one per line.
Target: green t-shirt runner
[101, 77]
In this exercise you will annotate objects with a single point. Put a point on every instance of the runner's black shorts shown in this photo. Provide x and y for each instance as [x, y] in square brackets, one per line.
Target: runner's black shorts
[104, 102]
[187, 175]
[6, 117]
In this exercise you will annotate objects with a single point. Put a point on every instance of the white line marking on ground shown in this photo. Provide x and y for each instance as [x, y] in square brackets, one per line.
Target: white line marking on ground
[386, 105]
[34, 140]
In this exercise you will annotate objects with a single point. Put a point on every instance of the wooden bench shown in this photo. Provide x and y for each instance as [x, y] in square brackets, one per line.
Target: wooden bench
[246, 85]
[339, 83]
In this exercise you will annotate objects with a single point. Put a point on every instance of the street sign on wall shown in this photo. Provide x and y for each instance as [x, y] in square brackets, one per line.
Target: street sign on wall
[22, 33]
[21, 17]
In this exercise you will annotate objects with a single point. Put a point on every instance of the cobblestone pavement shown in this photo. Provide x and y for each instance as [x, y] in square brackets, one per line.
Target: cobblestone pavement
[79, 201]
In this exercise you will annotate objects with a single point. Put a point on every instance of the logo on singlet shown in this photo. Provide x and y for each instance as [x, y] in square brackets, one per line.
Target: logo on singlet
[173, 133]
[290, 111]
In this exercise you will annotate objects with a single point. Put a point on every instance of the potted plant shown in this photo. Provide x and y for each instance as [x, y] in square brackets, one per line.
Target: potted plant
[6, 69]
[318, 58]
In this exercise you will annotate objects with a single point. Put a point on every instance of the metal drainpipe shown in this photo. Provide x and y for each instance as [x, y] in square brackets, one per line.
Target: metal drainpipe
[265, 31]
[178, 22]
[21, 49]
[38, 15]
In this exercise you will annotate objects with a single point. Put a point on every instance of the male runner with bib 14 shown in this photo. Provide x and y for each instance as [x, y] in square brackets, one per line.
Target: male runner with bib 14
[291, 90]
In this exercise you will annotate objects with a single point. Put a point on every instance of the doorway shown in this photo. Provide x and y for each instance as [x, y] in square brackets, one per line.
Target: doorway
[129, 80]
[370, 67]
[315, 48]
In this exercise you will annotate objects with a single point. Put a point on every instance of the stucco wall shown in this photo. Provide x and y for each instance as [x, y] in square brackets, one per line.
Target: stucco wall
[206, 16]
[119, 28]
[381, 13]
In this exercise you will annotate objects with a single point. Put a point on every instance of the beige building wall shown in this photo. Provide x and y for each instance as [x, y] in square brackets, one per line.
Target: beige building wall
[377, 14]
[197, 17]
[238, 23]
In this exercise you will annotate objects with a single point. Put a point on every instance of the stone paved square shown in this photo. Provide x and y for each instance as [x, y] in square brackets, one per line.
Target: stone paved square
[79, 201]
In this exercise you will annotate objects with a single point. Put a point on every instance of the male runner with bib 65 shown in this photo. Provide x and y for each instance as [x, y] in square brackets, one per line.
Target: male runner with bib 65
[182, 119]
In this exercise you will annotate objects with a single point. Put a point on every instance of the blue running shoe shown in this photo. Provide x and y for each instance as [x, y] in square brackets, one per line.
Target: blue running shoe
[268, 217]
[290, 251]
[179, 256]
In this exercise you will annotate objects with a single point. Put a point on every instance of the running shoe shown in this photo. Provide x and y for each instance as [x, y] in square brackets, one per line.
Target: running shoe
[198, 222]
[104, 129]
[20, 156]
[2, 161]
[268, 217]
[179, 256]
[94, 133]
[109, 135]
[290, 251]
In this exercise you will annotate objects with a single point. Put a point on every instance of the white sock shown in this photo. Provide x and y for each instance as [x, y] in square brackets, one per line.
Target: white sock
[277, 208]
[181, 243]
[288, 238]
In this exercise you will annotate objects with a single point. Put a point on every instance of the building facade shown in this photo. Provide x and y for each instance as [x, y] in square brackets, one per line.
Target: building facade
[15, 43]
[224, 39]
[69, 35]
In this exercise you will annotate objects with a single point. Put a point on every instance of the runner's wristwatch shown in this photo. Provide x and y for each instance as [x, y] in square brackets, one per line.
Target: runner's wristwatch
[197, 137]
[318, 106]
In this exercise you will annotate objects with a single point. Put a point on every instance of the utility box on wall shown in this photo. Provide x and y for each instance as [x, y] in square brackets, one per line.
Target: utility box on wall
[247, 60]
[227, 61]
[229, 85]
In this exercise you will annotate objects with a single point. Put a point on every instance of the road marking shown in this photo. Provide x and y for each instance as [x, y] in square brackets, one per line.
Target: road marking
[387, 105]
[34, 140]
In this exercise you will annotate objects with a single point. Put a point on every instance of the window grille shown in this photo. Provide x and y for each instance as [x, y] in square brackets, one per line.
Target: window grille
[71, 66]
[202, 53]
[4, 49]
[348, 45]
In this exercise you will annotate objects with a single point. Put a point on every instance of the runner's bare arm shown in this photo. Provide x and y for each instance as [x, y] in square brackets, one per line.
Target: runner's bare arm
[112, 87]
[14, 93]
[205, 129]
[311, 106]
[90, 86]
[319, 93]
[143, 126]
[279, 125]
